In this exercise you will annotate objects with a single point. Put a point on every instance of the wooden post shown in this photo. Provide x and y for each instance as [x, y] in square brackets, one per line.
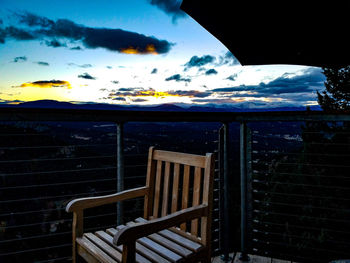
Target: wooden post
[244, 192]
[120, 170]
[78, 225]
[224, 170]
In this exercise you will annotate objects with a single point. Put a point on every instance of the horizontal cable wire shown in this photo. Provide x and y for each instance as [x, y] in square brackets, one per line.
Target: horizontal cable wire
[56, 146]
[56, 184]
[55, 260]
[264, 203]
[53, 197]
[296, 184]
[302, 174]
[307, 164]
[35, 250]
[281, 244]
[60, 159]
[58, 220]
[61, 171]
[299, 226]
[284, 234]
[299, 216]
[302, 195]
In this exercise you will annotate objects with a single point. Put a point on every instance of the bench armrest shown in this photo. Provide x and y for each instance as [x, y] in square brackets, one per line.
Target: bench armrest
[129, 234]
[88, 202]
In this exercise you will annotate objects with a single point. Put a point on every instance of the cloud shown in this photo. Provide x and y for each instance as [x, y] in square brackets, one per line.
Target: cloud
[232, 77]
[20, 59]
[80, 66]
[76, 48]
[196, 61]
[129, 89]
[15, 33]
[47, 84]
[42, 63]
[228, 59]
[286, 84]
[117, 40]
[86, 76]
[54, 43]
[211, 72]
[139, 100]
[142, 93]
[178, 78]
[190, 93]
[119, 98]
[154, 71]
[171, 7]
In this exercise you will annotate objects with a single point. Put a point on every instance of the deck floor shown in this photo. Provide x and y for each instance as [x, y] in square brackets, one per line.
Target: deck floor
[253, 259]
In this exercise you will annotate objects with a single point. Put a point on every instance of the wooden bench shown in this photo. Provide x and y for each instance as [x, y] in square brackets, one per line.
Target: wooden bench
[176, 226]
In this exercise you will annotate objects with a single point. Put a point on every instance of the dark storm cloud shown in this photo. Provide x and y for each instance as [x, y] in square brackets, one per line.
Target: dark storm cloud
[54, 43]
[119, 98]
[178, 78]
[171, 7]
[211, 72]
[144, 93]
[308, 82]
[42, 63]
[128, 89]
[154, 71]
[42, 28]
[86, 76]
[190, 93]
[34, 20]
[20, 59]
[196, 61]
[15, 33]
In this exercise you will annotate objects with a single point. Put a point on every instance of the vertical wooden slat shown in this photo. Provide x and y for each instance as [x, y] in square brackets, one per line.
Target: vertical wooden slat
[151, 172]
[157, 189]
[166, 189]
[175, 193]
[185, 191]
[196, 196]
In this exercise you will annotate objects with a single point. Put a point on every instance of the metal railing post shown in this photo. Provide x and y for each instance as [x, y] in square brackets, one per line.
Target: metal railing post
[224, 170]
[120, 170]
[244, 192]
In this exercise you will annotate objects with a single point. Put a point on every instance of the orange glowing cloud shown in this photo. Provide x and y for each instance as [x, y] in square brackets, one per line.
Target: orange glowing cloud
[159, 94]
[153, 93]
[150, 49]
[47, 84]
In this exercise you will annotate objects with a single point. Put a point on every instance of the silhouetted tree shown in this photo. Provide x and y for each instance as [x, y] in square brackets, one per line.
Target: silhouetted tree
[336, 97]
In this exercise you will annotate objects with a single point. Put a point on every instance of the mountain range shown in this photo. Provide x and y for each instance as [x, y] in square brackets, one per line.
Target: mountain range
[49, 104]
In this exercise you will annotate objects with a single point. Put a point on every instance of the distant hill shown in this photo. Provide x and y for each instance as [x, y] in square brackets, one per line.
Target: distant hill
[52, 104]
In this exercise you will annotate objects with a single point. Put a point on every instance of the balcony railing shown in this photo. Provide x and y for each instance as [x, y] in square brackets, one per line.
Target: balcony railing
[282, 187]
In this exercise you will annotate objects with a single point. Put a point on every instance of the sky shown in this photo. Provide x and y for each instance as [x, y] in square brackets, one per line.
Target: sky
[135, 52]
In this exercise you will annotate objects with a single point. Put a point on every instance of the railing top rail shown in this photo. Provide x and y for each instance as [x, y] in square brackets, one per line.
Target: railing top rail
[43, 114]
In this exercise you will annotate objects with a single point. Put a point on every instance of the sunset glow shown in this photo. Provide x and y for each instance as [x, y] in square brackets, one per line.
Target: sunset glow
[133, 53]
